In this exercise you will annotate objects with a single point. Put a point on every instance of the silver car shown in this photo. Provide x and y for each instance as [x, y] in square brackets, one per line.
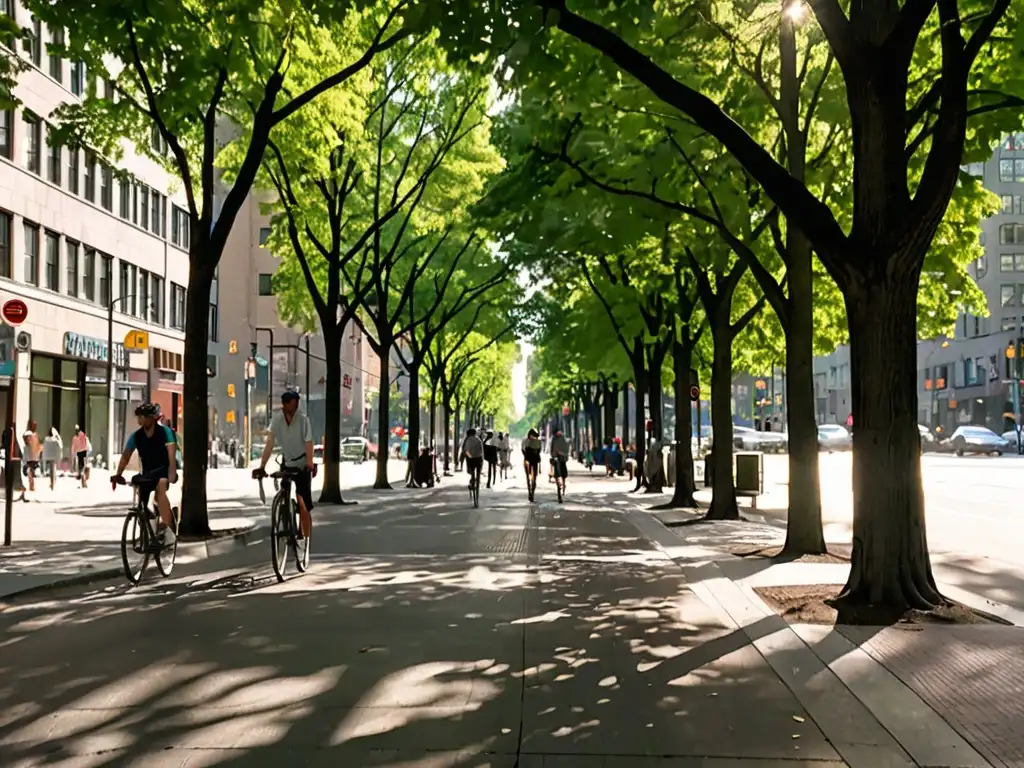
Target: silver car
[980, 441]
[747, 439]
[832, 437]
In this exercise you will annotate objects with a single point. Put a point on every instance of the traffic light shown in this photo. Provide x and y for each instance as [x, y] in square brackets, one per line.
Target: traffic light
[231, 390]
[252, 349]
[229, 417]
[232, 347]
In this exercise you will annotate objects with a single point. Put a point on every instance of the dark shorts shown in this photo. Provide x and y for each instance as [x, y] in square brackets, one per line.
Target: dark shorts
[491, 454]
[561, 467]
[82, 457]
[474, 465]
[532, 458]
[304, 488]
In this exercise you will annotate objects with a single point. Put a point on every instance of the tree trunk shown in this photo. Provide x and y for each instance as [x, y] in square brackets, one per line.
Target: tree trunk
[448, 436]
[331, 492]
[803, 529]
[625, 416]
[640, 382]
[195, 519]
[682, 359]
[890, 565]
[414, 422]
[611, 397]
[432, 440]
[383, 417]
[723, 500]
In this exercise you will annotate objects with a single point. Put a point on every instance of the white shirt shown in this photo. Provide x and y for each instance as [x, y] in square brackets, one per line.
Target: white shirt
[292, 438]
[473, 447]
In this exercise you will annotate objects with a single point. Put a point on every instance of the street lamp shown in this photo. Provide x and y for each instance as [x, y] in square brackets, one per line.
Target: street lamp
[110, 362]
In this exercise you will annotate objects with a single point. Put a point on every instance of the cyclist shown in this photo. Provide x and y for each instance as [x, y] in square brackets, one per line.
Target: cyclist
[531, 457]
[293, 432]
[156, 447]
[559, 457]
[473, 450]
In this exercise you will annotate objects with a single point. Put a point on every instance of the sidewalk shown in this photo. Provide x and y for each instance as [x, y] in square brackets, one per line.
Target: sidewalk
[433, 635]
[58, 542]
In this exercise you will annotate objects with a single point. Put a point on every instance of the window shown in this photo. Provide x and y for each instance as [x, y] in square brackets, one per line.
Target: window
[154, 212]
[1006, 295]
[78, 78]
[144, 205]
[90, 176]
[266, 284]
[981, 267]
[125, 187]
[177, 306]
[54, 159]
[33, 140]
[156, 141]
[6, 123]
[264, 235]
[74, 171]
[89, 275]
[1014, 143]
[179, 227]
[1011, 234]
[143, 294]
[214, 335]
[33, 42]
[108, 90]
[969, 372]
[107, 187]
[5, 245]
[52, 261]
[941, 376]
[156, 308]
[56, 62]
[31, 253]
[72, 276]
[1006, 262]
[106, 279]
[131, 303]
[1008, 324]
[123, 294]
[1007, 201]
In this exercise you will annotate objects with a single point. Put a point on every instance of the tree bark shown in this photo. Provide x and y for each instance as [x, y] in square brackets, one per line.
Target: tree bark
[656, 360]
[610, 402]
[625, 416]
[804, 533]
[331, 492]
[682, 495]
[723, 500]
[195, 519]
[890, 565]
[383, 416]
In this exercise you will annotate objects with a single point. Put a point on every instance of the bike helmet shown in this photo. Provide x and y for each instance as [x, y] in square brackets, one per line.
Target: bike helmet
[289, 394]
[148, 409]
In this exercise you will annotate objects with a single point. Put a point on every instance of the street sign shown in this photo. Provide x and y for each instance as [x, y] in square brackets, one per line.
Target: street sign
[15, 311]
[261, 361]
[694, 394]
[136, 341]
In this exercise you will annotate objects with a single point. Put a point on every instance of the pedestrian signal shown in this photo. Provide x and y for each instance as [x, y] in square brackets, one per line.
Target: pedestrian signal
[231, 390]
[232, 347]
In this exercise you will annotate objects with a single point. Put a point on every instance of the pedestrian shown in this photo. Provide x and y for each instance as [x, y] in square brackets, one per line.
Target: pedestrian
[33, 451]
[80, 456]
[491, 457]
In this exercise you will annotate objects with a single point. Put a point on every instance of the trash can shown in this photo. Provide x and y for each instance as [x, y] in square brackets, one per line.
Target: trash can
[750, 472]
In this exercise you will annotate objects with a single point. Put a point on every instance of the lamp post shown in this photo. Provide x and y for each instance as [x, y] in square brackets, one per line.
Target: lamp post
[1013, 371]
[110, 368]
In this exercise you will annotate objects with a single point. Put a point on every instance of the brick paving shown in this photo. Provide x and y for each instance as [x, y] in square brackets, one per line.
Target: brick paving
[973, 676]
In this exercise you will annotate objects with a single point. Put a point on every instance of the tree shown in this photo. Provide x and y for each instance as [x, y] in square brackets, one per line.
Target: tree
[180, 74]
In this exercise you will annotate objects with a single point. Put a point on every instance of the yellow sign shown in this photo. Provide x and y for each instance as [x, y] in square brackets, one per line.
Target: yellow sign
[136, 340]
[229, 417]
[231, 390]
[232, 347]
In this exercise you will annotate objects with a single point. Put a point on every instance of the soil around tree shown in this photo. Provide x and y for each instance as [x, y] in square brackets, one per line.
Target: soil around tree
[835, 555]
[816, 604]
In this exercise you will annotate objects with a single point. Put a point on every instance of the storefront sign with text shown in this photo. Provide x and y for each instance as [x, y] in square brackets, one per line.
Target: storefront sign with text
[89, 348]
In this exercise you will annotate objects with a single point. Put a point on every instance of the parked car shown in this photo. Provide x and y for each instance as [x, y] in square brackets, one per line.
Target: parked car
[1011, 438]
[832, 437]
[357, 449]
[747, 439]
[928, 441]
[980, 441]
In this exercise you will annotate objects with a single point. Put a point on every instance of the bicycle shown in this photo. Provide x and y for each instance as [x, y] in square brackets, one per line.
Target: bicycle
[284, 522]
[139, 535]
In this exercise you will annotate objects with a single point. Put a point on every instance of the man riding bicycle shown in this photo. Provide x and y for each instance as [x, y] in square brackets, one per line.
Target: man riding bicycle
[473, 450]
[293, 432]
[560, 456]
[156, 447]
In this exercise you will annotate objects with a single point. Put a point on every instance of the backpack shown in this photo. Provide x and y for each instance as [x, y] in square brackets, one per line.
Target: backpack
[177, 445]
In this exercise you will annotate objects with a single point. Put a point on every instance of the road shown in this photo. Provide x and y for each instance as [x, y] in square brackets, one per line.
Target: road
[974, 512]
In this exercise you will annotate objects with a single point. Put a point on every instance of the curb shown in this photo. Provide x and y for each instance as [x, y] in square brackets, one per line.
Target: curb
[201, 550]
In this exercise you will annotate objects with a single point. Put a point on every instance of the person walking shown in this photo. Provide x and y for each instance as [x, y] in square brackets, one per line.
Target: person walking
[80, 456]
[33, 451]
[491, 456]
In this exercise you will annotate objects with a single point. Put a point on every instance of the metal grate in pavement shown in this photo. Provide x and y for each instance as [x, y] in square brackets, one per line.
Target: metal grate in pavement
[502, 542]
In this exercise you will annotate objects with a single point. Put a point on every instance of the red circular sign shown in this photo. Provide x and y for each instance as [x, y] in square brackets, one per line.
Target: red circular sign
[15, 311]
[695, 393]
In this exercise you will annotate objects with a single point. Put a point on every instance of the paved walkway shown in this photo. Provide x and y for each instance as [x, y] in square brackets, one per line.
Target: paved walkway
[431, 635]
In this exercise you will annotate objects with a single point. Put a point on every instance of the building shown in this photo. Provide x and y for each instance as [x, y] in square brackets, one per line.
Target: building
[962, 379]
[78, 234]
[287, 357]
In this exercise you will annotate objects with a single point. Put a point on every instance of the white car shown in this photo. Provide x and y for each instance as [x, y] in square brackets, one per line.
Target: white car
[747, 439]
[832, 437]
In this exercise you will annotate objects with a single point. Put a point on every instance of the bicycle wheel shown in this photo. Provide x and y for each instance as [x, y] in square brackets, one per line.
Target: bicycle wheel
[165, 557]
[279, 535]
[134, 546]
[299, 546]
